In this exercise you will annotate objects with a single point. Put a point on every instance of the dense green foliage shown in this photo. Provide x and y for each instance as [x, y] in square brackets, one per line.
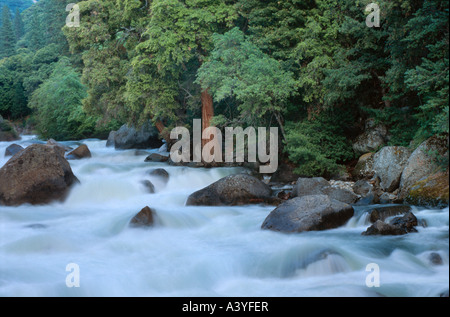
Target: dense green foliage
[311, 67]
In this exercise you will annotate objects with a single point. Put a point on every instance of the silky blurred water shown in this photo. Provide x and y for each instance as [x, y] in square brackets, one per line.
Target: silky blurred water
[198, 251]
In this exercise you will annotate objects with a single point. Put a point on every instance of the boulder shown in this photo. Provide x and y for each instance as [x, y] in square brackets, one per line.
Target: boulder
[147, 136]
[422, 163]
[145, 218]
[7, 131]
[310, 186]
[388, 165]
[308, 213]
[39, 174]
[156, 157]
[159, 172]
[79, 153]
[364, 167]
[341, 194]
[381, 213]
[320, 186]
[398, 226]
[13, 149]
[110, 142]
[373, 138]
[232, 190]
[431, 191]
[52, 142]
[362, 187]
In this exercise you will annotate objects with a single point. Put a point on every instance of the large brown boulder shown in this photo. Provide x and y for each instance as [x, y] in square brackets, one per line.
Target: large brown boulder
[79, 153]
[39, 174]
[240, 189]
[308, 213]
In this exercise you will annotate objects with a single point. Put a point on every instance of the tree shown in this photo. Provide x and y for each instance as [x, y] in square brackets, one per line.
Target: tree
[176, 41]
[58, 105]
[238, 68]
[7, 37]
[18, 25]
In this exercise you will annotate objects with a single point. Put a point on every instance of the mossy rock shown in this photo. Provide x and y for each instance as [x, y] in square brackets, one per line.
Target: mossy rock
[7, 131]
[432, 191]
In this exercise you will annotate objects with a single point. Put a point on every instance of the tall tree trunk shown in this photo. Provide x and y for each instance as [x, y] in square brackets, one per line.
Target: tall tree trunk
[207, 112]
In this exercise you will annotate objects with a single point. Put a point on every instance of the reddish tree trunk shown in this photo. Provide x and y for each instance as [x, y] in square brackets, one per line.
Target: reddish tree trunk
[207, 112]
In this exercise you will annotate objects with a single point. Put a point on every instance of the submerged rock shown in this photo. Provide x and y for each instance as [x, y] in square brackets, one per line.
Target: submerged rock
[145, 218]
[308, 213]
[237, 189]
[37, 175]
[13, 149]
[149, 186]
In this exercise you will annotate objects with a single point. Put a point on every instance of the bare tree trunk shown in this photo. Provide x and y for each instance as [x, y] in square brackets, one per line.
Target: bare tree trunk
[207, 112]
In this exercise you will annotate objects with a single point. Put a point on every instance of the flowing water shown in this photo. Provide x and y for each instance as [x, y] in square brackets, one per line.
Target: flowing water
[199, 251]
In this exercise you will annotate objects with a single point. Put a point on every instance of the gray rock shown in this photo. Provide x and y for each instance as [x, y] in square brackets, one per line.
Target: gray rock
[398, 226]
[388, 165]
[362, 188]
[320, 186]
[111, 142]
[232, 190]
[341, 194]
[128, 137]
[364, 167]
[159, 172]
[371, 139]
[422, 164]
[308, 213]
[13, 149]
[284, 174]
[310, 186]
[381, 213]
[435, 258]
[156, 157]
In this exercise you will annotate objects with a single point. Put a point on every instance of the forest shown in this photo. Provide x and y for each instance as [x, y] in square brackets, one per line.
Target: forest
[312, 68]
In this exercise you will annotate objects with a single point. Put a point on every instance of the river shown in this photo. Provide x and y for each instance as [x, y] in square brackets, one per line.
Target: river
[198, 251]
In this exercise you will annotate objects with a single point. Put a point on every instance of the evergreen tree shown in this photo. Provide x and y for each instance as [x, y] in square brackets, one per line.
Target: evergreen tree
[18, 25]
[7, 37]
